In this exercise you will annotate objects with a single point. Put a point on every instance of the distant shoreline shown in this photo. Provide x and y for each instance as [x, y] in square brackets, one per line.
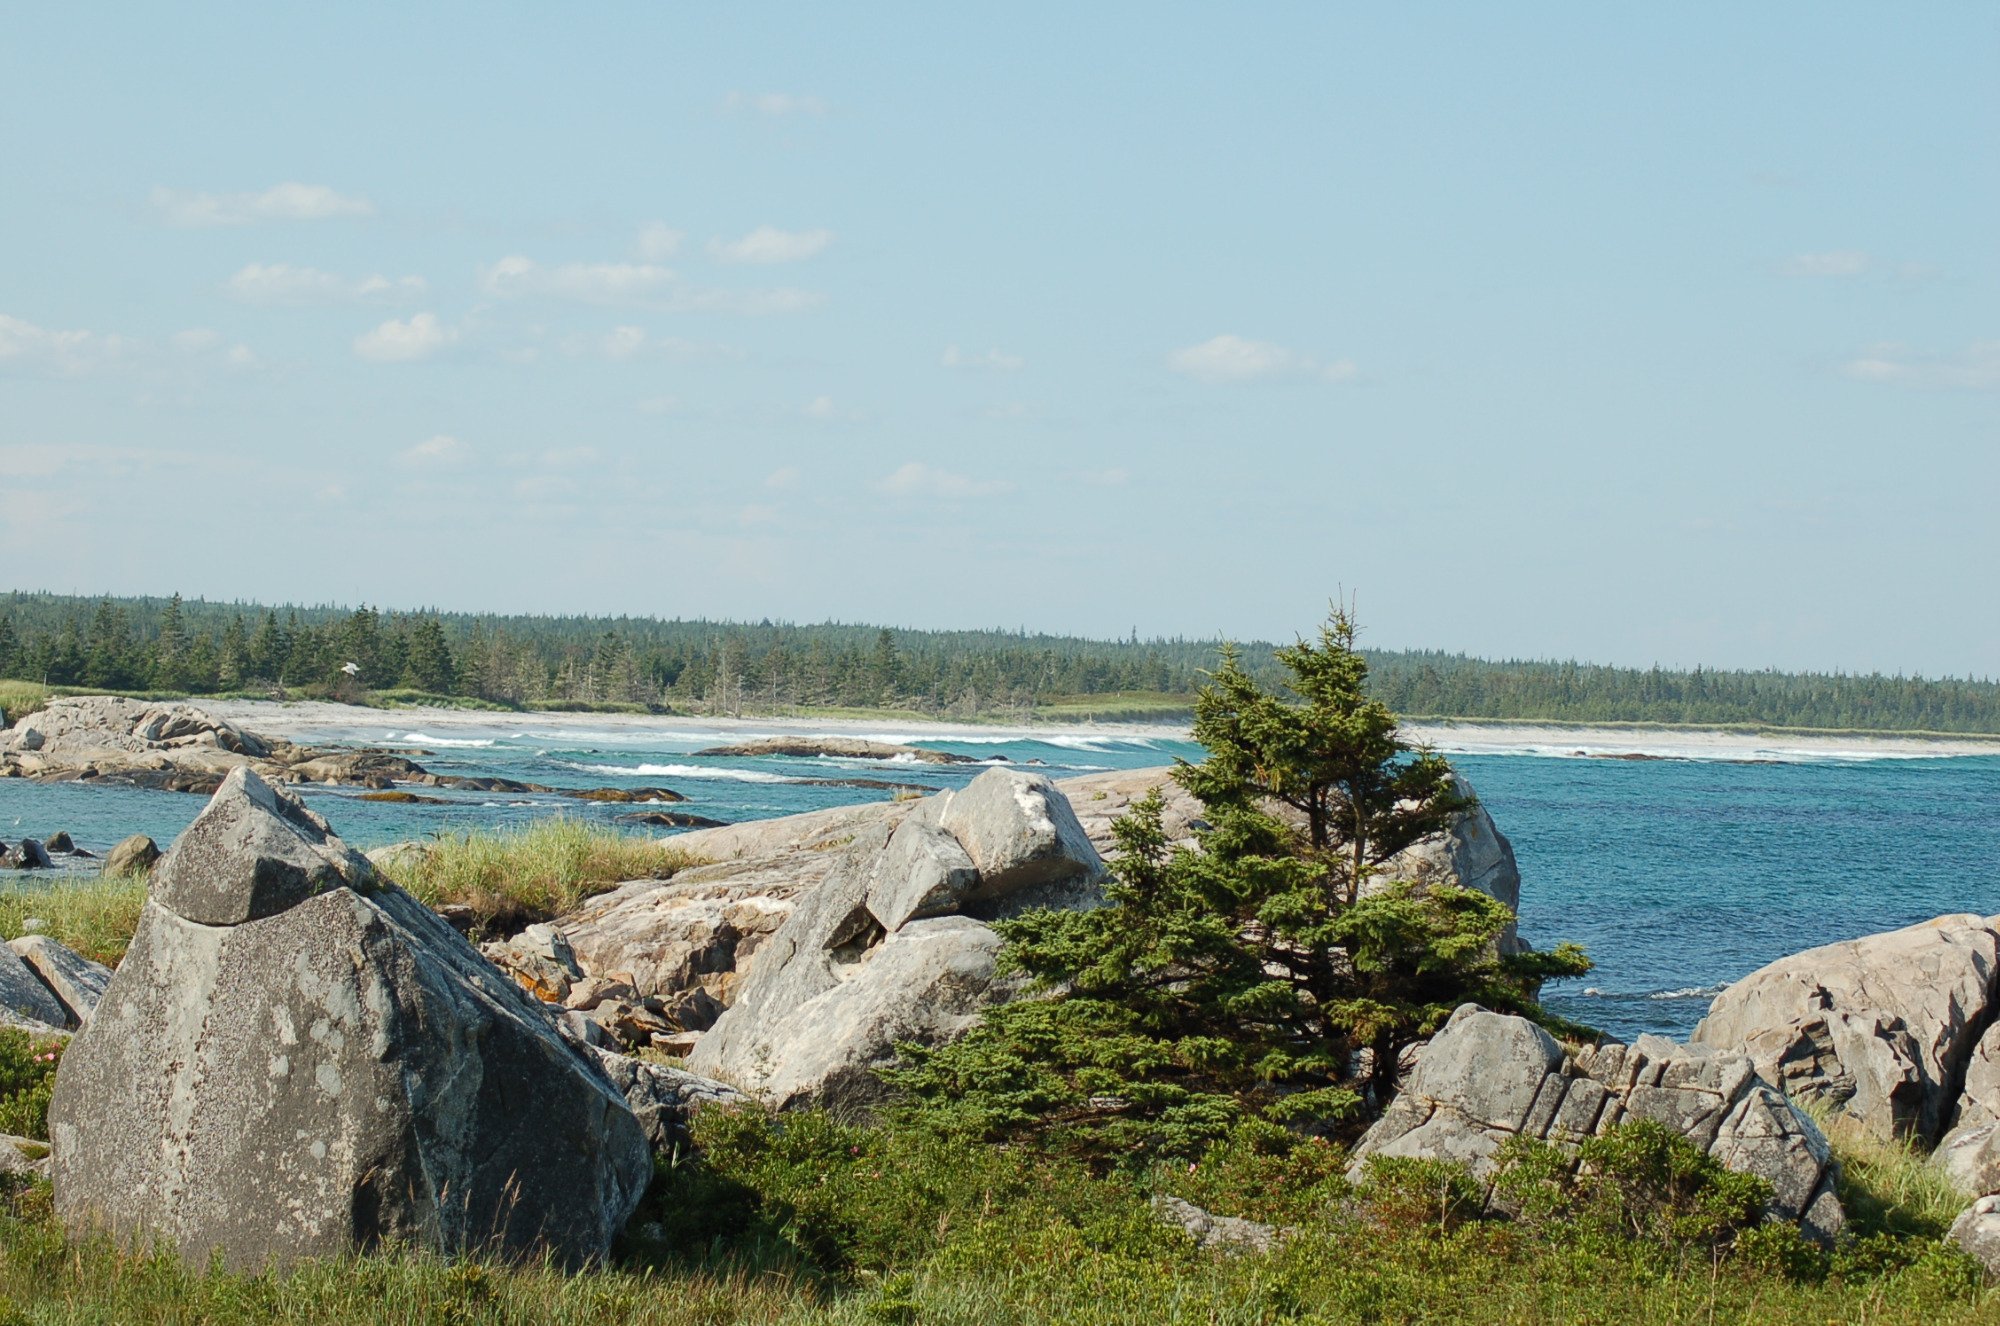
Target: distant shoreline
[1455, 736]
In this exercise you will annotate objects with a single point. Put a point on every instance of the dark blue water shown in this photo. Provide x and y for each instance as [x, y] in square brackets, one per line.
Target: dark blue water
[1677, 875]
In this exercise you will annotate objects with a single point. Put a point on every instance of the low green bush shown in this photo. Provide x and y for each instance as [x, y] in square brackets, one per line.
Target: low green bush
[27, 1076]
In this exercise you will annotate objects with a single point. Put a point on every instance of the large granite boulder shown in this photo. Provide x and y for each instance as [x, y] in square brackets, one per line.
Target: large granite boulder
[883, 952]
[296, 1058]
[1487, 1077]
[135, 855]
[1977, 1232]
[1879, 1028]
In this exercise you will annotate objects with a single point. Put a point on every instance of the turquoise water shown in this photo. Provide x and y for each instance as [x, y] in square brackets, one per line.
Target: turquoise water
[1677, 875]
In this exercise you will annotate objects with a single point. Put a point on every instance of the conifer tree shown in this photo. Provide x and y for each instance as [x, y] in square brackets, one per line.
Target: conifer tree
[1267, 976]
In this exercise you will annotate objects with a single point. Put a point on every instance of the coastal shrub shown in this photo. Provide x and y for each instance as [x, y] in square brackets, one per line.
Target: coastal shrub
[1639, 1181]
[1409, 1193]
[95, 917]
[27, 1076]
[514, 877]
[1266, 976]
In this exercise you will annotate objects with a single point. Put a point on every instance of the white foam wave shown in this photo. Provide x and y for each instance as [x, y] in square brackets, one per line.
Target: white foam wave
[1689, 992]
[427, 740]
[685, 771]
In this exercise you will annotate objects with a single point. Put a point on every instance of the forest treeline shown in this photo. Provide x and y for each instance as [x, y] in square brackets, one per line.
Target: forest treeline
[203, 648]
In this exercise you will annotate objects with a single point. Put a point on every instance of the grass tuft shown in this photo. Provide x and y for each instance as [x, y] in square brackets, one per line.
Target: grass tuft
[514, 877]
[96, 917]
[18, 699]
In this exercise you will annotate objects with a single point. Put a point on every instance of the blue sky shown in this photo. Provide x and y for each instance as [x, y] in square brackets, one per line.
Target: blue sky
[1633, 334]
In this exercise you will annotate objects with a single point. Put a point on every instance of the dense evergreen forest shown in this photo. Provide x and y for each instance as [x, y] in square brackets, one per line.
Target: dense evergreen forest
[201, 648]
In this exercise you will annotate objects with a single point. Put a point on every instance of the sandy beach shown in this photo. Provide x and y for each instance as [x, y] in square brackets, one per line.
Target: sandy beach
[315, 719]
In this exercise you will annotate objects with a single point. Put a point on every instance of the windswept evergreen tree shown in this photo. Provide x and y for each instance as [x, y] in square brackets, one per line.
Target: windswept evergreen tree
[1267, 976]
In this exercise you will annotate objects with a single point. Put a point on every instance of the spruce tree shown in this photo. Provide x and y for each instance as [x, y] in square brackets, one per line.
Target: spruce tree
[1265, 977]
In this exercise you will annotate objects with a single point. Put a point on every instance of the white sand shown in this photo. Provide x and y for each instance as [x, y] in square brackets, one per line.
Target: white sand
[316, 720]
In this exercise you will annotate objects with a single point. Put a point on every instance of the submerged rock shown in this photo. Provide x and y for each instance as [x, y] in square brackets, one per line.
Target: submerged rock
[844, 748]
[296, 1058]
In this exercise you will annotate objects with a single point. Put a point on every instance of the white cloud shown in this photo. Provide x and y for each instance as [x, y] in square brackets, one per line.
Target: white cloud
[659, 240]
[624, 342]
[401, 342]
[747, 303]
[1836, 262]
[436, 453]
[821, 407]
[585, 282]
[280, 202]
[1976, 369]
[283, 283]
[195, 340]
[660, 405]
[544, 487]
[1230, 359]
[996, 361]
[768, 244]
[774, 104]
[917, 479]
[757, 513]
[785, 476]
[1115, 477]
[634, 342]
[64, 353]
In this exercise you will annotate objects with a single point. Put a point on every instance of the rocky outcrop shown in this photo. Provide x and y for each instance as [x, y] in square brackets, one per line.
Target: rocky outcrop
[297, 1059]
[28, 854]
[663, 1099]
[1880, 1029]
[1213, 1232]
[75, 981]
[840, 748]
[1977, 1232]
[26, 1001]
[1487, 1077]
[883, 952]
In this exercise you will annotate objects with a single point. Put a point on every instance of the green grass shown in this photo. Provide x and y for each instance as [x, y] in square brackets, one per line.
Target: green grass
[18, 699]
[94, 916]
[820, 1221]
[516, 876]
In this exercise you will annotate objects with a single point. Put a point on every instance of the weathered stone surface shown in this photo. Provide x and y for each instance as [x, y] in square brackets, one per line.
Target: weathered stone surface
[26, 995]
[1486, 1077]
[842, 748]
[132, 856]
[664, 1099]
[23, 1156]
[923, 871]
[1879, 1028]
[540, 959]
[1219, 1233]
[92, 724]
[253, 853]
[1025, 842]
[1977, 1230]
[340, 1074]
[700, 929]
[76, 982]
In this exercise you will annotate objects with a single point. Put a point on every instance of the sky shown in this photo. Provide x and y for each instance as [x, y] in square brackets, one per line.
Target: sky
[1631, 334]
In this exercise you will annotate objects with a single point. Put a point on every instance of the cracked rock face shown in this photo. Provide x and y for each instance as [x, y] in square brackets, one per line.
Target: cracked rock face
[1486, 1077]
[298, 1059]
[1880, 1028]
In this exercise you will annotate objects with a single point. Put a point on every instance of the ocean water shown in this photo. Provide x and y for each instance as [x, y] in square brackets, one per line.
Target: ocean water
[1678, 875]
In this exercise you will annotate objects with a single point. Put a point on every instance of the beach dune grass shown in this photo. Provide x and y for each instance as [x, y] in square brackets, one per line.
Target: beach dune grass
[513, 877]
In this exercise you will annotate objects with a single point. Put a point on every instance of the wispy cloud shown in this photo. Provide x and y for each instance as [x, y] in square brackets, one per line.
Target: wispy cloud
[917, 479]
[441, 452]
[280, 202]
[658, 241]
[1834, 262]
[774, 104]
[785, 476]
[635, 285]
[71, 353]
[1235, 359]
[991, 361]
[767, 245]
[1977, 368]
[516, 276]
[284, 283]
[397, 341]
